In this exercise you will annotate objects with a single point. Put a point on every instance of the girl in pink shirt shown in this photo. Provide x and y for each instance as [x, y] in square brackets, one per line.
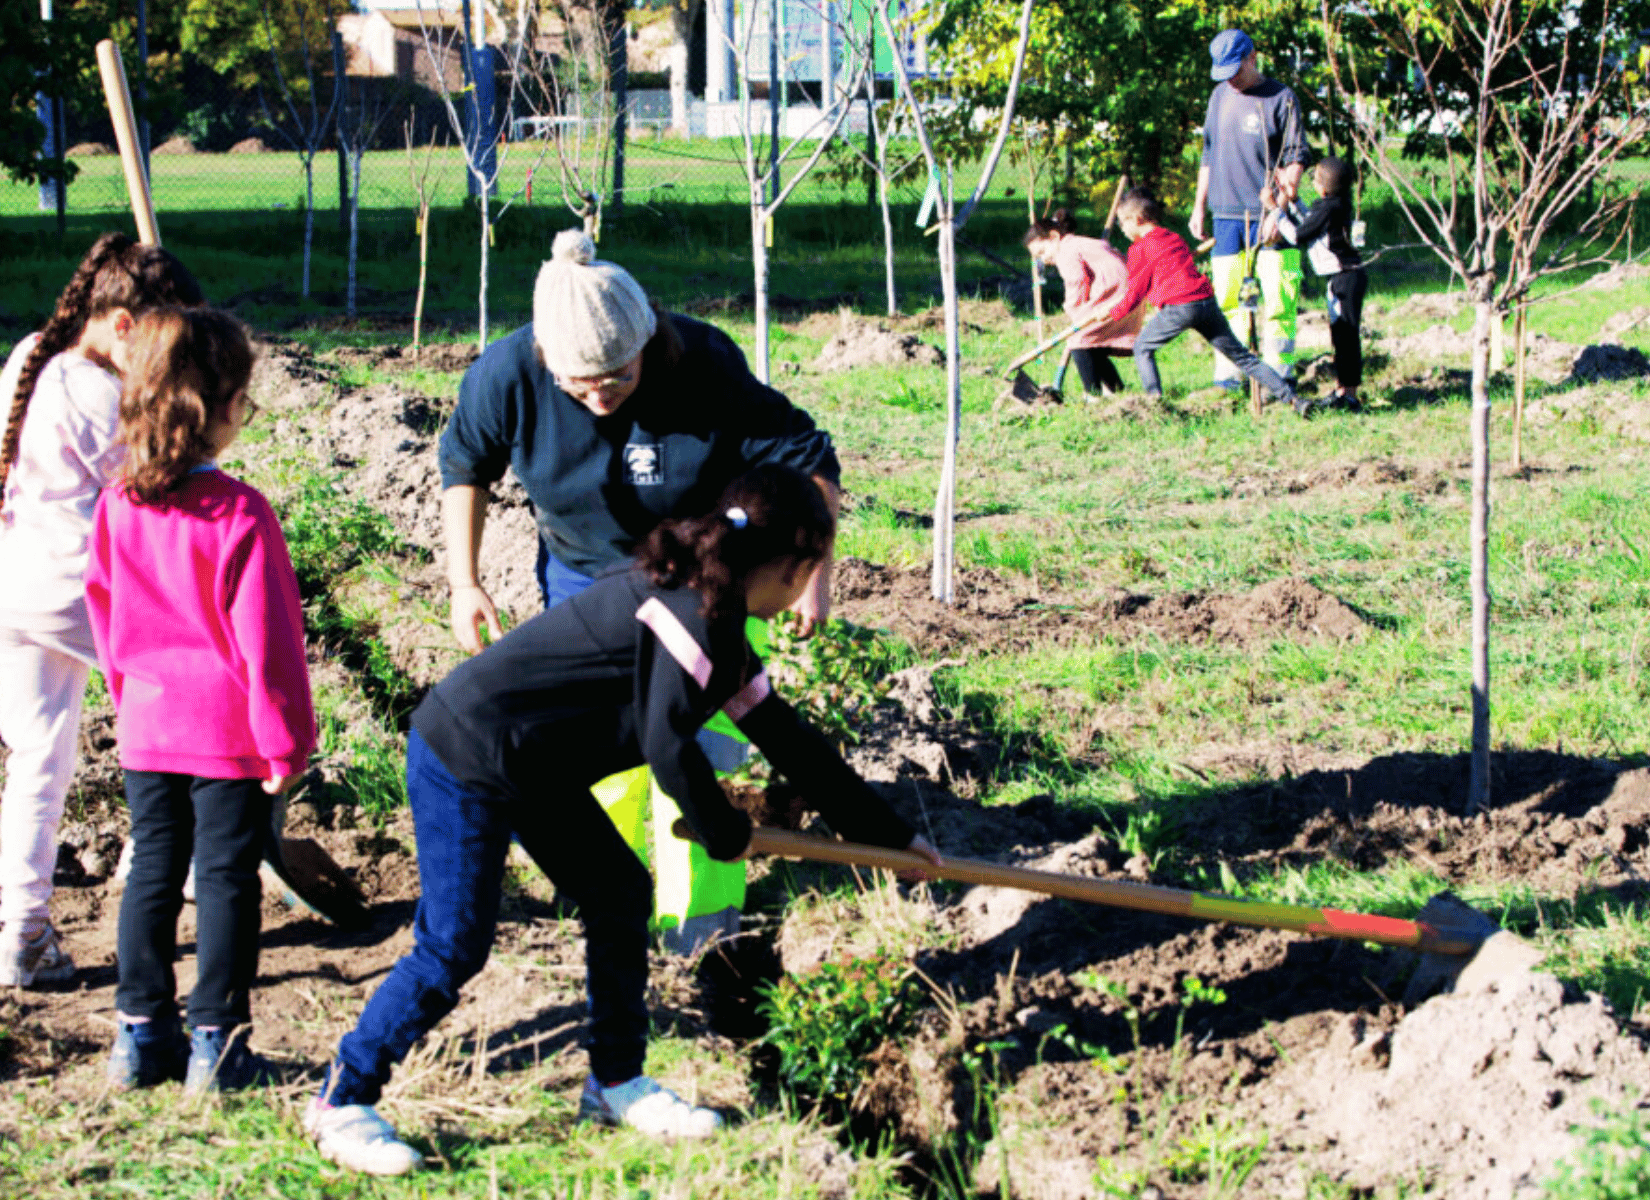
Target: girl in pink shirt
[195, 608]
[1095, 277]
[60, 392]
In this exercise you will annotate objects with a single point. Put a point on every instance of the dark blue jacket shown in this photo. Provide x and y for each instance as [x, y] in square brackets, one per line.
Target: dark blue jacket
[600, 484]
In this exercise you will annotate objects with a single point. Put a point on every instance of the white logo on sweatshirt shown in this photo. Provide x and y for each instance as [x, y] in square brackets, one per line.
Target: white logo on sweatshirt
[644, 463]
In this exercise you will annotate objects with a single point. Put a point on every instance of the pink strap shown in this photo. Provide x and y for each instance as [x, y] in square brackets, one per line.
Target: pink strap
[748, 697]
[673, 635]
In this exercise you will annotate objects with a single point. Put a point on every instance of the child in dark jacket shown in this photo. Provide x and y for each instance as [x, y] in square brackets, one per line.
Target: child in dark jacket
[622, 673]
[199, 629]
[1324, 231]
[1161, 271]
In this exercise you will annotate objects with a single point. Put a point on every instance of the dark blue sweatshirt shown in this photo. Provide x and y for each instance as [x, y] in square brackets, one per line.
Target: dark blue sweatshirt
[601, 484]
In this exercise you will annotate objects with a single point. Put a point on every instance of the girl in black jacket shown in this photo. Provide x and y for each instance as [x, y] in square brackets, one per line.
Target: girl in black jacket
[623, 673]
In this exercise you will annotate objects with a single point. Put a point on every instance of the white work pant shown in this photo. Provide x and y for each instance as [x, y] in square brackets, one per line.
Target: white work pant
[42, 686]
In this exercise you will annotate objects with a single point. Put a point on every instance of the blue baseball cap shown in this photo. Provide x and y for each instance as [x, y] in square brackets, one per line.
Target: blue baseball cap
[1228, 50]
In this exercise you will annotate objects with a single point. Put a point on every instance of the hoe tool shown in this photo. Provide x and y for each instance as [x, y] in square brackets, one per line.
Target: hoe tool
[1451, 937]
[299, 869]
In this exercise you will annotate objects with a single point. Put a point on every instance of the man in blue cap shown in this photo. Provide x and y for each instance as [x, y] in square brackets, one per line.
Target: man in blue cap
[1252, 135]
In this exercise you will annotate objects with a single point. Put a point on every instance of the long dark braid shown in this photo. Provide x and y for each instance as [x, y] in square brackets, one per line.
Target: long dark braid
[117, 272]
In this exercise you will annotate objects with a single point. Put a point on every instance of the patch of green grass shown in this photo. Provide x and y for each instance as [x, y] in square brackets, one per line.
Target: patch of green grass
[1611, 1164]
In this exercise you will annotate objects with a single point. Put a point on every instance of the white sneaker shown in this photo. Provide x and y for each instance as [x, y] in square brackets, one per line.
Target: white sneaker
[355, 1136]
[645, 1106]
[25, 964]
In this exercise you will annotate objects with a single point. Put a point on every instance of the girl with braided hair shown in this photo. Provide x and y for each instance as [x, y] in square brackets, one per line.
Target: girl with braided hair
[62, 392]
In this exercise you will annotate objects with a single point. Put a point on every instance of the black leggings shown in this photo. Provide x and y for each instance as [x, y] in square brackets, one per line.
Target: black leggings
[224, 825]
[1095, 368]
[1346, 317]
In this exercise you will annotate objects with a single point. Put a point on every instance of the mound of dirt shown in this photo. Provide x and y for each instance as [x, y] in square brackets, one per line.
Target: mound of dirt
[994, 612]
[1477, 1091]
[251, 145]
[1432, 343]
[175, 145]
[1434, 305]
[447, 357]
[864, 343]
[1609, 363]
[1367, 473]
[1280, 608]
[90, 150]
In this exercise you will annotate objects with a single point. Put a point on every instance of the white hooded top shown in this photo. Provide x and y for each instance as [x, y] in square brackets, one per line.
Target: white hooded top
[66, 454]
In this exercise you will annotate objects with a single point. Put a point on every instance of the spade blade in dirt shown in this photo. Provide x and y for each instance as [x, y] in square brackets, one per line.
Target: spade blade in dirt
[308, 879]
[1500, 955]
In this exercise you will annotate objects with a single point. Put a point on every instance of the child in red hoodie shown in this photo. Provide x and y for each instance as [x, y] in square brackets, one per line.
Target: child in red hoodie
[1161, 271]
[195, 610]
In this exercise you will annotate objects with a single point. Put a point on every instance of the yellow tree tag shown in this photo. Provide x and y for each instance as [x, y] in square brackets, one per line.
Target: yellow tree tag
[769, 231]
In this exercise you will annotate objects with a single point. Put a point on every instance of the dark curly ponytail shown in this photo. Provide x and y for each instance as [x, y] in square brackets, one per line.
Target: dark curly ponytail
[117, 272]
[770, 514]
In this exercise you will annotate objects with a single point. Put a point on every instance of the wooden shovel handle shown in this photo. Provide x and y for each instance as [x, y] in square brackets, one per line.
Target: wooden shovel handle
[1141, 897]
[1044, 347]
[113, 71]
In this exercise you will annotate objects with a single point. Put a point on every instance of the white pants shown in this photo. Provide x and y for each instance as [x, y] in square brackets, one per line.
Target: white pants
[42, 685]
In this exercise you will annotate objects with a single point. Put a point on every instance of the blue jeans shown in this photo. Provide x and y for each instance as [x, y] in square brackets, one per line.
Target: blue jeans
[1205, 316]
[463, 834]
[557, 580]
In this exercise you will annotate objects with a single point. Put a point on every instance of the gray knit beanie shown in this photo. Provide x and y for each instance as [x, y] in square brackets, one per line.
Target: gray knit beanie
[590, 317]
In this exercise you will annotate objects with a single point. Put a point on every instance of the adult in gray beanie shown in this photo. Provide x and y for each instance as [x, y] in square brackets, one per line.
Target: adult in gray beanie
[614, 416]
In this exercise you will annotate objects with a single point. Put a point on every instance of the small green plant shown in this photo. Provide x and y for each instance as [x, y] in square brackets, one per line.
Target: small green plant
[1611, 1164]
[910, 398]
[834, 676]
[330, 533]
[823, 1024]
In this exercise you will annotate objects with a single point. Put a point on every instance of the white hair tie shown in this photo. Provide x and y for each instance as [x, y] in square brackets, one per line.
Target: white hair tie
[737, 517]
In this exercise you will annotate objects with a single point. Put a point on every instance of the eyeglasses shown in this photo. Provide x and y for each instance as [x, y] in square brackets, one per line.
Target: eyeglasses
[590, 385]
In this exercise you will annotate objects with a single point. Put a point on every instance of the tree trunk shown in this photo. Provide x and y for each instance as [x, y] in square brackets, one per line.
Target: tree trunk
[423, 270]
[486, 243]
[887, 242]
[309, 218]
[353, 254]
[1478, 786]
[618, 74]
[759, 263]
[1520, 329]
[942, 585]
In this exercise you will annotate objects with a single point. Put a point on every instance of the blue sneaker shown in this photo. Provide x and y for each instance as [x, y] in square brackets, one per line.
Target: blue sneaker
[147, 1053]
[221, 1061]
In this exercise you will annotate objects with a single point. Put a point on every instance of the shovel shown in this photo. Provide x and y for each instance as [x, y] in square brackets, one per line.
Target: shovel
[1448, 935]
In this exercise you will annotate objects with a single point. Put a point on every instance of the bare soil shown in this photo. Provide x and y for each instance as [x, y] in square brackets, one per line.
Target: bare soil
[1312, 1048]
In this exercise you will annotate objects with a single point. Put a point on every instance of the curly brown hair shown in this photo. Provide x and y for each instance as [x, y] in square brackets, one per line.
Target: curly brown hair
[117, 272]
[186, 367]
[784, 516]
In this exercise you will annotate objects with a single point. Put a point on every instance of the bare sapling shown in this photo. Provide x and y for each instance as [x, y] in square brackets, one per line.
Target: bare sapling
[1520, 122]
[950, 223]
[486, 154]
[578, 98]
[768, 191]
[358, 128]
[304, 131]
[418, 170]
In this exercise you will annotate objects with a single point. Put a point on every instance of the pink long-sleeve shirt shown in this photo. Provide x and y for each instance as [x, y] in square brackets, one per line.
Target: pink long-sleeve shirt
[1095, 278]
[199, 628]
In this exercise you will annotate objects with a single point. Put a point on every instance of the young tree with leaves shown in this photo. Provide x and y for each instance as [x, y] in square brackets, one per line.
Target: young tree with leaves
[1517, 113]
[950, 224]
